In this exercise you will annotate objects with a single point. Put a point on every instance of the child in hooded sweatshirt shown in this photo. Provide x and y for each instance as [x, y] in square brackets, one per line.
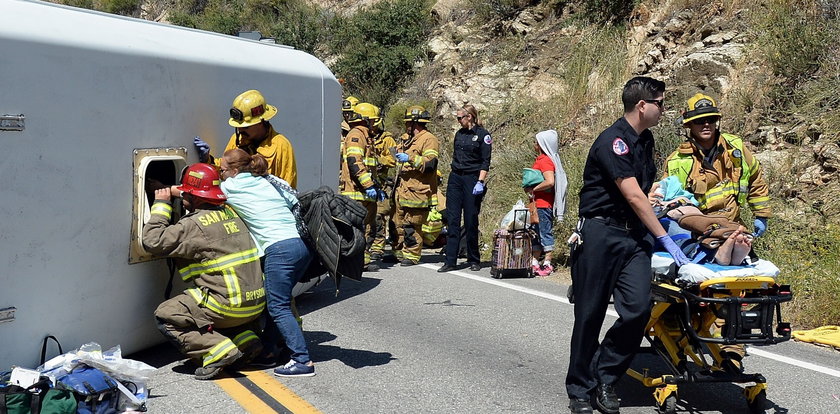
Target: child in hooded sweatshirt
[549, 196]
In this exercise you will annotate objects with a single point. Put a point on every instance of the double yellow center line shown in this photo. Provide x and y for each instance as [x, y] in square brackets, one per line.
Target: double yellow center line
[259, 392]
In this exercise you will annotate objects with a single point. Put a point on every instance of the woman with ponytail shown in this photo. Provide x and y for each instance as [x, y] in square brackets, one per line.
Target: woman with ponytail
[265, 203]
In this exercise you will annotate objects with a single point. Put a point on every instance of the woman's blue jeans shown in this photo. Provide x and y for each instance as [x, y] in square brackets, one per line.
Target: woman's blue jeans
[285, 262]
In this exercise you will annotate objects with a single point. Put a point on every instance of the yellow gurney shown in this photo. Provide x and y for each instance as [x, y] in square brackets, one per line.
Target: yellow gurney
[680, 331]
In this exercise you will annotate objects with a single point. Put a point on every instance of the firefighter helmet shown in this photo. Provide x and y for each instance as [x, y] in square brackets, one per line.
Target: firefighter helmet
[202, 181]
[363, 112]
[249, 108]
[367, 111]
[417, 113]
[348, 103]
[699, 106]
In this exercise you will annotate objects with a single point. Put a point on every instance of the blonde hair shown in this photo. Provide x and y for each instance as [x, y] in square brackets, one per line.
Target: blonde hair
[473, 113]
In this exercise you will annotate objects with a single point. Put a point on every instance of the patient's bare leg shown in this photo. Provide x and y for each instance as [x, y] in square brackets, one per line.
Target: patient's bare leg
[723, 255]
[741, 249]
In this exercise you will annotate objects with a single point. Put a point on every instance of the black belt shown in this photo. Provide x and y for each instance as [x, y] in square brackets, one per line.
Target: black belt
[463, 172]
[617, 222]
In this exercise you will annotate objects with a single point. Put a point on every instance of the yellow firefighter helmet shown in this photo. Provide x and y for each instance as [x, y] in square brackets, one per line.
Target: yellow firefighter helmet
[249, 108]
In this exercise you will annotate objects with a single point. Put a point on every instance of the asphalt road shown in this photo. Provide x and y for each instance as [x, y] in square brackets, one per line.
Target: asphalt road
[411, 340]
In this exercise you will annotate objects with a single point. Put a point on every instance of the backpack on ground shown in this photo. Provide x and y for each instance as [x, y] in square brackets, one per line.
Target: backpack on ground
[95, 391]
[38, 398]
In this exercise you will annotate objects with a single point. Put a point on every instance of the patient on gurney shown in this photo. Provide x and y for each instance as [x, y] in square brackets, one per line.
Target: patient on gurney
[718, 247]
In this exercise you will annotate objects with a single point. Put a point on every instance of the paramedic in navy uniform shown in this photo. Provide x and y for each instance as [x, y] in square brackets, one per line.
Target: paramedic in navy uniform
[465, 188]
[617, 232]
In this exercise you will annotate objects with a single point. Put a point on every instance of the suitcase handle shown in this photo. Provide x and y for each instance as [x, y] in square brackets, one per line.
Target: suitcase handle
[516, 218]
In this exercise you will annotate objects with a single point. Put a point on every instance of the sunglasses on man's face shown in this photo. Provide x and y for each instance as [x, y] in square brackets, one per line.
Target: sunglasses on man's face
[460, 117]
[707, 120]
[659, 102]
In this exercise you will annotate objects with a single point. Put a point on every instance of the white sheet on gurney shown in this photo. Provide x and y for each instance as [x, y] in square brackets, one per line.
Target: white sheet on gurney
[662, 264]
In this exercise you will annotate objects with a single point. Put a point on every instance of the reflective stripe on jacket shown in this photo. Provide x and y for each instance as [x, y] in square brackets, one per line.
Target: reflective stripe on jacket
[212, 249]
[735, 178]
[417, 182]
[359, 163]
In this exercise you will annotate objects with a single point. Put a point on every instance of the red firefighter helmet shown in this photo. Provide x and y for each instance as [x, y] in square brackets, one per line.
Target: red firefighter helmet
[202, 181]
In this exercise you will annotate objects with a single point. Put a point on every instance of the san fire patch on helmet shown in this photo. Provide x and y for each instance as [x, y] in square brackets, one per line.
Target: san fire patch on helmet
[257, 110]
[619, 147]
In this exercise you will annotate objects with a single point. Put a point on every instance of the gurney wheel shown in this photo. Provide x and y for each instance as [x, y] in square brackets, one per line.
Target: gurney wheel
[759, 403]
[670, 405]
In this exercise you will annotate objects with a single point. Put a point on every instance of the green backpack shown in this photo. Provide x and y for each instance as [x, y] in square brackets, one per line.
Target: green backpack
[37, 398]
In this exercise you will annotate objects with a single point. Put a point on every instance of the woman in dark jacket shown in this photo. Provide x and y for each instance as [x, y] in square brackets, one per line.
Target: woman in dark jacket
[465, 188]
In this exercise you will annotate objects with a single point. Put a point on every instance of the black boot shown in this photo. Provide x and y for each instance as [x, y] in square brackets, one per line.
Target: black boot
[606, 399]
[580, 406]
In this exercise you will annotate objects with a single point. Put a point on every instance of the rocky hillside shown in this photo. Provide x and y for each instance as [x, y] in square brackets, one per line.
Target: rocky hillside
[769, 64]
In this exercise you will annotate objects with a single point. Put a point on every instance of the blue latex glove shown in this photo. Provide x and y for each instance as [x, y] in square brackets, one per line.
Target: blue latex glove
[203, 149]
[372, 193]
[479, 188]
[381, 196]
[402, 157]
[760, 225]
[673, 250]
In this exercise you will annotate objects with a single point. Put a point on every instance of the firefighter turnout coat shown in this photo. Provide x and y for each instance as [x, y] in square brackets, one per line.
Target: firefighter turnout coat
[277, 150]
[418, 181]
[360, 163]
[214, 253]
[416, 193]
[733, 179]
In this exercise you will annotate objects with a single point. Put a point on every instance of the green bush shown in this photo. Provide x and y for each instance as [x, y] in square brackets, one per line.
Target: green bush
[290, 22]
[808, 256]
[794, 35]
[220, 16]
[294, 23]
[393, 115]
[612, 11]
[123, 7]
[499, 9]
[379, 47]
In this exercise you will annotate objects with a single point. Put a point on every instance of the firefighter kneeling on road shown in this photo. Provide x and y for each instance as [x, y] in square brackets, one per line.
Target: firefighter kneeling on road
[358, 169]
[213, 322]
[417, 181]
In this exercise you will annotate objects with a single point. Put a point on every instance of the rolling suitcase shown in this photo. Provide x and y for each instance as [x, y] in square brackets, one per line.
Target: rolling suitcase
[512, 250]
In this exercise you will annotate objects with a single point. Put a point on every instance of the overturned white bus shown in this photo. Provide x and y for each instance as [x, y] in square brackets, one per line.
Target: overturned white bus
[91, 106]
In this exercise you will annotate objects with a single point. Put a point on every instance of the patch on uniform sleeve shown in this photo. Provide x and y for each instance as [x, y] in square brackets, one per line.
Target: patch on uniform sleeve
[488, 139]
[355, 140]
[619, 147]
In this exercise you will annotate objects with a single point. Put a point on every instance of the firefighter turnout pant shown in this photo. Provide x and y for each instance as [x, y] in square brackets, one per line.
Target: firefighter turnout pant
[203, 335]
[410, 223]
[370, 227]
[385, 229]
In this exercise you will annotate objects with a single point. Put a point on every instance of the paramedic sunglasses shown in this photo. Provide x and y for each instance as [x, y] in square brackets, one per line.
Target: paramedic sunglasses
[659, 102]
[706, 120]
